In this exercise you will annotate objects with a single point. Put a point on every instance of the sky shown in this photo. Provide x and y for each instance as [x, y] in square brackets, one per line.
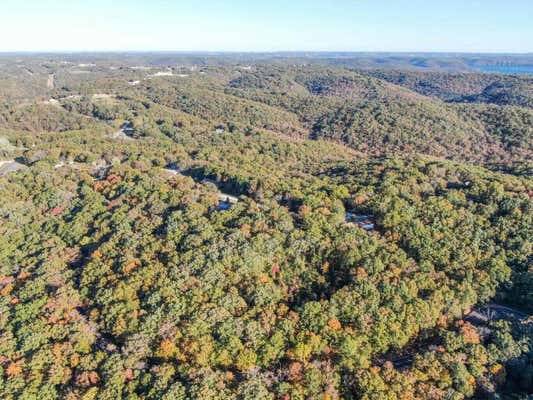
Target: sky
[271, 25]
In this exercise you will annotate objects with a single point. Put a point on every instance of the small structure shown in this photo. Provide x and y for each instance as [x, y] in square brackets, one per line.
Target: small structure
[173, 169]
[227, 198]
[79, 72]
[52, 102]
[365, 222]
[223, 206]
[225, 202]
[163, 73]
[98, 96]
[62, 164]
[126, 131]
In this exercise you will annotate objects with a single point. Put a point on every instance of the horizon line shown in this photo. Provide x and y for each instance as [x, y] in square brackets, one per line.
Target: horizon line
[219, 52]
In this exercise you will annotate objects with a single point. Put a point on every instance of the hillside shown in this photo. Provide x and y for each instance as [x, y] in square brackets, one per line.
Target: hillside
[464, 88]
[375, 116]
[266, 232]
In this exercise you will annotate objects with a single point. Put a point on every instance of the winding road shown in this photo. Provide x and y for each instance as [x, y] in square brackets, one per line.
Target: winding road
[478, 317]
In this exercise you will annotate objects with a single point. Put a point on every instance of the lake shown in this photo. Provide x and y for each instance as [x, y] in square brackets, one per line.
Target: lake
[506, 69]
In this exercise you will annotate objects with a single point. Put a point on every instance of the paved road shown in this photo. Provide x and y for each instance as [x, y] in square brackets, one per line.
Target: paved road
[479, 317]
[492, 312]
[9, 166]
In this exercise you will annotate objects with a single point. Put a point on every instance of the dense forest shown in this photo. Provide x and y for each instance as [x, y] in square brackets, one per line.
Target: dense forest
[272, 230]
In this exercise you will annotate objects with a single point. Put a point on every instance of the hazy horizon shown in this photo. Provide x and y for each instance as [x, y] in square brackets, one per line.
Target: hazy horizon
[310, 53]
[471, 27]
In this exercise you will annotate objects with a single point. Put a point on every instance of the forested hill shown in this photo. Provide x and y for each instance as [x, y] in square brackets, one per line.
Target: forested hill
[497, 89]
[375, 116]
[476, 118]
[262, 232]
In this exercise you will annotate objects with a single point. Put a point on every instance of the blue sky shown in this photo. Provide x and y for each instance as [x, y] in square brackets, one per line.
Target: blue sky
[273, 25]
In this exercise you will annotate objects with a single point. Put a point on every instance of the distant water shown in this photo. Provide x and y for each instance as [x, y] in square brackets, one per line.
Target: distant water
[506, 69]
